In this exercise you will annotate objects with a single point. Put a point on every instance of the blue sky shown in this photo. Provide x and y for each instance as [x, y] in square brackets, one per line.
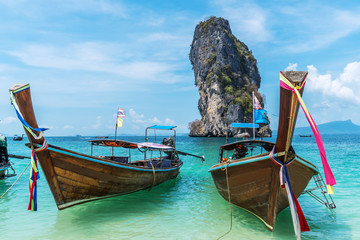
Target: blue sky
[85, 58]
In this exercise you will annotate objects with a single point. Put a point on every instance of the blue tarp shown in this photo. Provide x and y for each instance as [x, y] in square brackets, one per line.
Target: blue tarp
[244, 125]
[260, 116]
[160, 127]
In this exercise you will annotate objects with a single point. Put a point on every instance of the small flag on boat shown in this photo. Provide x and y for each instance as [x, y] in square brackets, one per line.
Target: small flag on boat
[120, 113]
[119, 122]
[256, 103]
[260, 114]
[120, 116]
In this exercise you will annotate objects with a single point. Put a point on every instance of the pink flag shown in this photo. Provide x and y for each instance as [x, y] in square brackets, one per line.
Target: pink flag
[256, 103]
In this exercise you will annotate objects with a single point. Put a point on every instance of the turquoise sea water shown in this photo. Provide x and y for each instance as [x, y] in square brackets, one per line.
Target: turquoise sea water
[188, 207]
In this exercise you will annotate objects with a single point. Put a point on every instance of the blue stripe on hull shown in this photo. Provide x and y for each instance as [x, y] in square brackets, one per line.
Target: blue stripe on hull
[109, 163]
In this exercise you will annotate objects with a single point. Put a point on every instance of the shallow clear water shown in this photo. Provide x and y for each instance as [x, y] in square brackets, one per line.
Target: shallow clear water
[188, 207]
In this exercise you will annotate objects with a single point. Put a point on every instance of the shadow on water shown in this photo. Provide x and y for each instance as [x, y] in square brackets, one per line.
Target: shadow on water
[125, 210]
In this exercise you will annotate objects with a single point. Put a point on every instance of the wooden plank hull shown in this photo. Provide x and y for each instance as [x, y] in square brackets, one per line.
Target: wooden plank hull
[254, 185]
[76, 178]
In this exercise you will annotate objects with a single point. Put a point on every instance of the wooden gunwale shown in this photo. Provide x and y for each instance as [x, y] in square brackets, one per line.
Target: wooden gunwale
[261, 157]
[107, 161]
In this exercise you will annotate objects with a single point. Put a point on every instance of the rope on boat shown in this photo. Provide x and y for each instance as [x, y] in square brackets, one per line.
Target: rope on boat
[228, 188]
[15, 181]
[153, 182]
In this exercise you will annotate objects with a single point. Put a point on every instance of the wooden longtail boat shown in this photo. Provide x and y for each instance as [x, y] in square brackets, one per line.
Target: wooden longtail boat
[18, 138]
[76, 178]
[252, 182]
[305, 135]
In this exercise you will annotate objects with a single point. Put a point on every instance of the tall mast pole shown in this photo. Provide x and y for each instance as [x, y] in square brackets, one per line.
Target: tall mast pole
[115, 129]
[253, 116]
[116, 126]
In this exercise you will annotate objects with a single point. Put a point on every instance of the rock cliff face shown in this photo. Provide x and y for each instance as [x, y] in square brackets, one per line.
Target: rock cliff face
[226, 75]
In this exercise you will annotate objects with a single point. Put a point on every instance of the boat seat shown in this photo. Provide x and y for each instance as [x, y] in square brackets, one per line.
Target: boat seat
[159, 164]
[120, 159]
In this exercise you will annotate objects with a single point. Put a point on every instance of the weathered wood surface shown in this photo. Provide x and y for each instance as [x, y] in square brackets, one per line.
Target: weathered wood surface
[288, 111]
[255, 186]
[76, 179]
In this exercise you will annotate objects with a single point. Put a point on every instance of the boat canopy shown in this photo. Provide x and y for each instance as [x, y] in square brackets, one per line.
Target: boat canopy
[161, 127]
[244, 125]
[154, 146]
[268, 146]
[114, 143]
[132, 145]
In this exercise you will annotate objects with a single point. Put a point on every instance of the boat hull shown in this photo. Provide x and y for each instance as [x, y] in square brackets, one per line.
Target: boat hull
[76, 178]
[3, 169]
[254, 185]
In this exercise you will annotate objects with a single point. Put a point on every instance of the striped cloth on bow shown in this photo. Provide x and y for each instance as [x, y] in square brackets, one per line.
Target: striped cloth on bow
[299, 221]
[34, 176]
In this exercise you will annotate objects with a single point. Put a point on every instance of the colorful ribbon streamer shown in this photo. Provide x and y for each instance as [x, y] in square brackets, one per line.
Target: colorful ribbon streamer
[329, 176]
[34, 176]
[299, 221]
[34, 172]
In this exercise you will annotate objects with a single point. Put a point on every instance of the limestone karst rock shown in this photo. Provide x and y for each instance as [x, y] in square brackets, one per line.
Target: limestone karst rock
[226, 74]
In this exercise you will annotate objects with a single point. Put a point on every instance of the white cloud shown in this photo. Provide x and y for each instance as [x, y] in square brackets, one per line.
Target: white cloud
[96, 57]
[43, 9]
[159, 36]
[68, 127]
[315, 27]
[141, 119]
[8, 120]
[248, 20]
[291, 67]
[169, 121]
[296, 27]
[2, 67]
[98, 122]
[134, 115]
[156, 120]
[346, 87]
[351, 73]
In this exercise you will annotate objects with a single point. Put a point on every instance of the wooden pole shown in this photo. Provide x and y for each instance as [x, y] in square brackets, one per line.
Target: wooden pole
[112, 148]
[253, 116]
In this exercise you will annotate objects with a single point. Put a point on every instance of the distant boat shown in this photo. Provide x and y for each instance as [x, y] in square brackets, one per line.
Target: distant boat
[252, 181]
[75, 178]
[305, 135]
[4, 158]
[18, 138]
[102, 137]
